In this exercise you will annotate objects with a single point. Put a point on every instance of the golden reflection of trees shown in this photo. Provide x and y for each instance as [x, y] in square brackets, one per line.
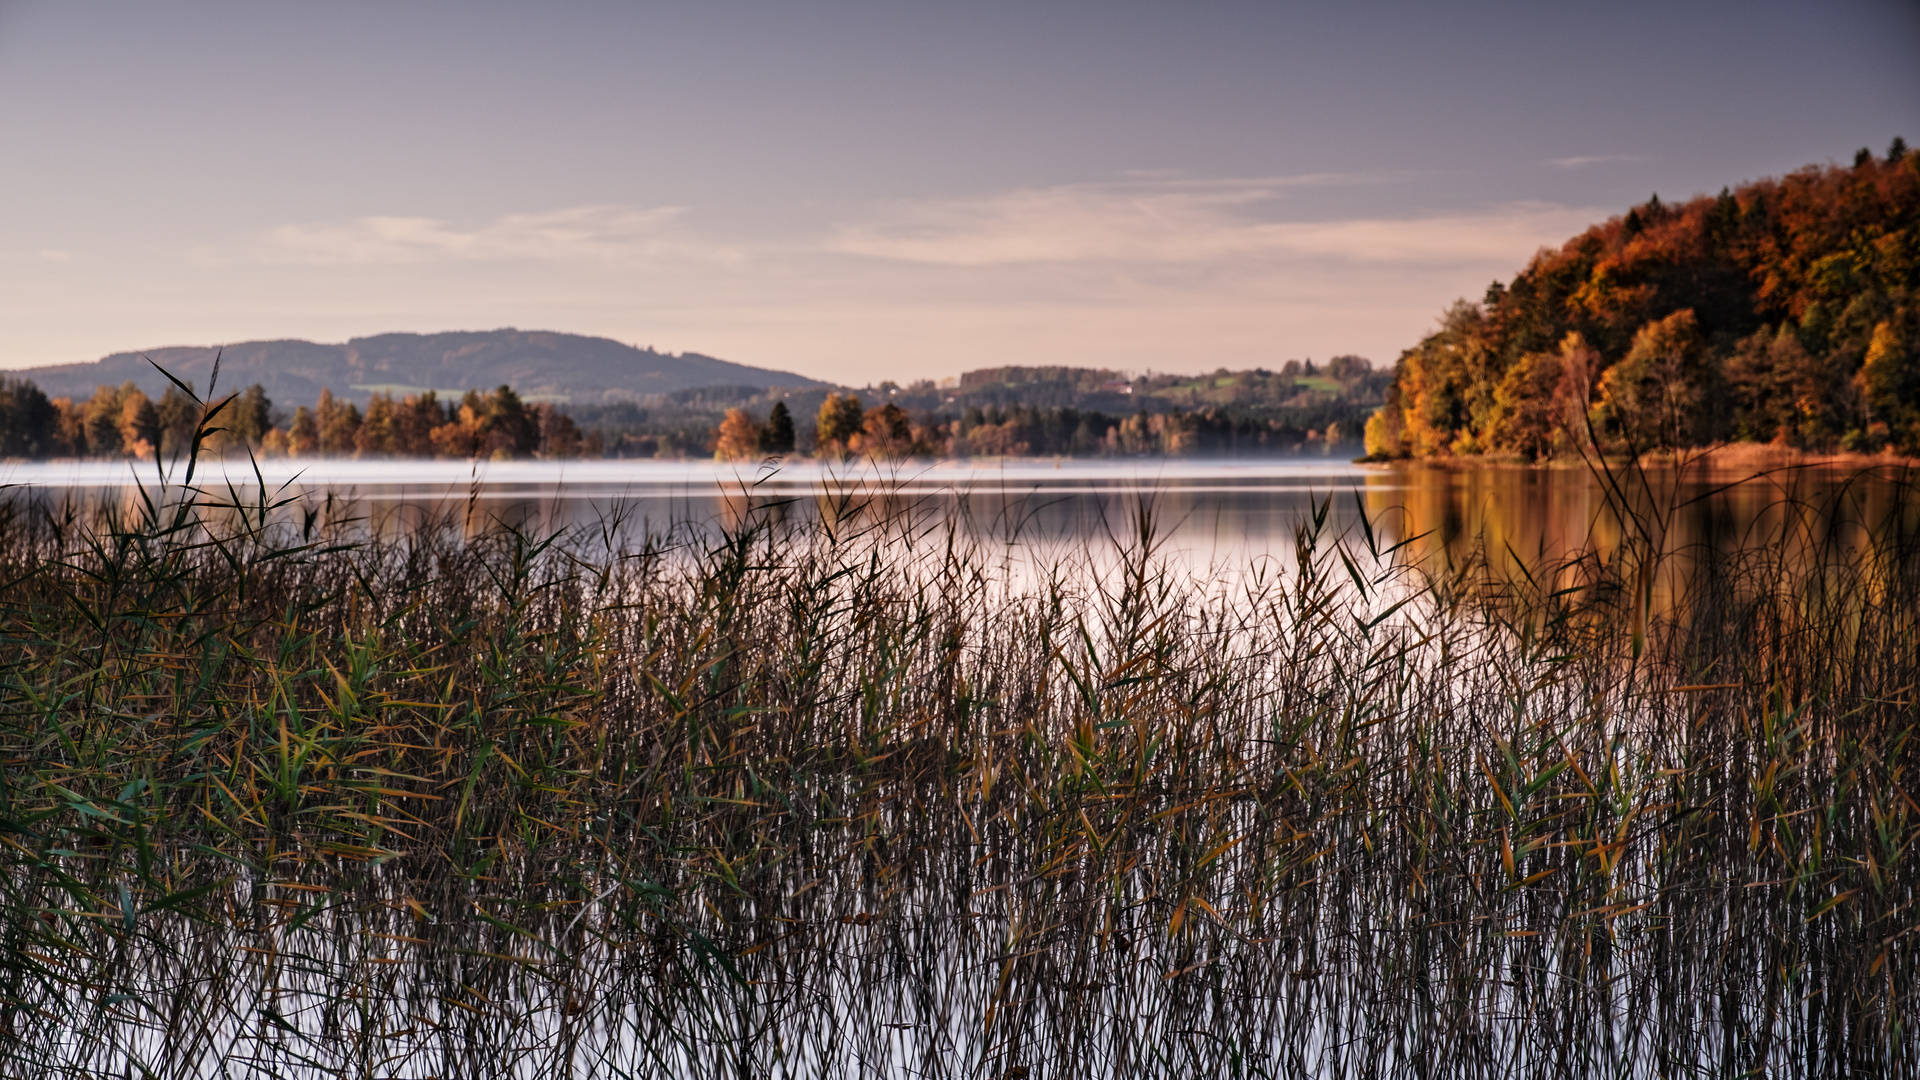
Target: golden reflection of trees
[1502, 513]
[1674, 522]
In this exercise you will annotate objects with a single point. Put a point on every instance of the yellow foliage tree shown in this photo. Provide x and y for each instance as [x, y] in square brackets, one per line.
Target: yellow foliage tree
[737, 438]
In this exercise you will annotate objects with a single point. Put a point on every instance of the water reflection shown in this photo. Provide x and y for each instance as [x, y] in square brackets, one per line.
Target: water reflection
[1211, 515]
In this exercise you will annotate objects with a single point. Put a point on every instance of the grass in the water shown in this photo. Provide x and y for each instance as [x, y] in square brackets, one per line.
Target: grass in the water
[286, 795]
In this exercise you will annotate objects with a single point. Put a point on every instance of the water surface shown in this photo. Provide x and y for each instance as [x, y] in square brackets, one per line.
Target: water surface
[1212, 514]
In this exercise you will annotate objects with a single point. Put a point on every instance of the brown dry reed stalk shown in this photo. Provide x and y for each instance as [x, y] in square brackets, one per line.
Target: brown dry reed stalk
[839, 794]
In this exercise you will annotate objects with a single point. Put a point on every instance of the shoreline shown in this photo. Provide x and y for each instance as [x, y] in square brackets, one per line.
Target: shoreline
[1765, 456]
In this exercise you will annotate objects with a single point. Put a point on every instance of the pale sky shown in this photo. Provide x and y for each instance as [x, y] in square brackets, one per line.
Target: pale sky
[865, 191]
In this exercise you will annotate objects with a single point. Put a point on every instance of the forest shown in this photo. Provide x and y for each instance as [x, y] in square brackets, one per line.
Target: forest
[123, 421]
[1005, 411]
[1783, 311]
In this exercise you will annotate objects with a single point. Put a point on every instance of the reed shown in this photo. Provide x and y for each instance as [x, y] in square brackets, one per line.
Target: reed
[848, 793]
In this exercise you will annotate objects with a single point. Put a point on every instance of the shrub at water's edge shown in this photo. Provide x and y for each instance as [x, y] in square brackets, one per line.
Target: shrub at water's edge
[1783, 311]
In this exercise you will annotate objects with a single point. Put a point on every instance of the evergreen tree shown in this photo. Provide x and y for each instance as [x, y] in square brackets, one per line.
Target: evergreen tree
[777, 436]
[512, 430]
[252, 415]
[28, 421]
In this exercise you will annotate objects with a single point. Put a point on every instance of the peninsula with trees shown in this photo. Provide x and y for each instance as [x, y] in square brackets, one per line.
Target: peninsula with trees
[1783, 311]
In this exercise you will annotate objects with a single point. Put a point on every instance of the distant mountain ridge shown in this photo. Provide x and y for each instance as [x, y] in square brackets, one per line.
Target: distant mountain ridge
[540, 365]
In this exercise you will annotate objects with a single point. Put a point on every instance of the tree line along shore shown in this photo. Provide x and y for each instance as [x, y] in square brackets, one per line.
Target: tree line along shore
[1008, 411]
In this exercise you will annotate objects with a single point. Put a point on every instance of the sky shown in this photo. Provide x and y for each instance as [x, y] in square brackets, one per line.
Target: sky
[861, 191]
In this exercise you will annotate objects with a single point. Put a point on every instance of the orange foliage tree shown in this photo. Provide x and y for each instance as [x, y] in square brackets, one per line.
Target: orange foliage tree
[1800, 297]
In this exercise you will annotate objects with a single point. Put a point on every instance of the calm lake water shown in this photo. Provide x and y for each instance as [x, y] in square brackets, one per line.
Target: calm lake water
[1211, 514]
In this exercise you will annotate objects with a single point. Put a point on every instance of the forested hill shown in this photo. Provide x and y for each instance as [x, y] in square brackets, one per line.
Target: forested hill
[1784, 309]
[543, 366]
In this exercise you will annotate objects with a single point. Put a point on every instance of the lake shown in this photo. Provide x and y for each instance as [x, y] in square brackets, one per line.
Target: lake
[1212, 515]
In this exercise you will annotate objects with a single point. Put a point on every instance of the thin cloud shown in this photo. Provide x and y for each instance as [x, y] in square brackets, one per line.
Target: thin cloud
[1595, 159]
[1186, 223]
[1149, 271]
[577, 234]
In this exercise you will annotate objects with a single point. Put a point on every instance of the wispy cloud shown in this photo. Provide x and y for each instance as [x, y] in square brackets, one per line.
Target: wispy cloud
[1146, 221]
[577, 234]
[1594, 159]
[1149, 271]
[1174, 222]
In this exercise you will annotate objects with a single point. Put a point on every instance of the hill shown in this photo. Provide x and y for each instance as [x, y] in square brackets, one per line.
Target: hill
[1785, 310]
[1051, 411]
[1343, 389]
[542, 366]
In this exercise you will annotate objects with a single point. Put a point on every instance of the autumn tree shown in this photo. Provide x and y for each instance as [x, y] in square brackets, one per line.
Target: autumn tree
[119, 421]
[1525, 420]
[886, 432]
[1787, 280]
[1666, 393]
[375, 437]
[1540, 405]
[841, 416]
[1889, 384]
[559, 436]
[464, 434]
[139, 425]
[1385, 435]
[338, 423]
[414, 421]
[303, 434]
[178, 416]
[511, 428]
[737, 438]
[1778, 389]
[70, 427]
[1444, 388]
[103, 435]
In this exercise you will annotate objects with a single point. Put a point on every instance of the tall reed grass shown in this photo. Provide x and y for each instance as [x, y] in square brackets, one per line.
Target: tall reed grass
[842, 795]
